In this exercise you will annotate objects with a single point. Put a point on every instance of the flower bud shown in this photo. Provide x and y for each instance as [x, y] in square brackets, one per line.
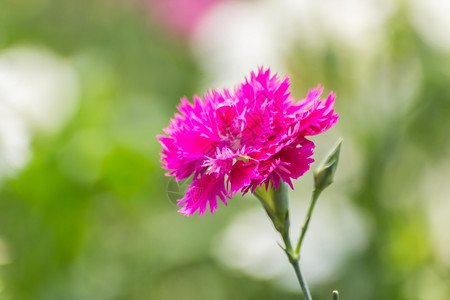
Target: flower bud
[324, 173]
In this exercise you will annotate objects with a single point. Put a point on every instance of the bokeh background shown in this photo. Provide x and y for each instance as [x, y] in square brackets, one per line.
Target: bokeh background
[85, 86]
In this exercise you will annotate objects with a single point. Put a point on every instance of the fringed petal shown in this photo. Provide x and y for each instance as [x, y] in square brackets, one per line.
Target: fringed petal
[203, 190]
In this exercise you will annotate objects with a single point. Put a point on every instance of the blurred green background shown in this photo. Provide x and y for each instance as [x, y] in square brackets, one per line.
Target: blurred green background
[85, 86]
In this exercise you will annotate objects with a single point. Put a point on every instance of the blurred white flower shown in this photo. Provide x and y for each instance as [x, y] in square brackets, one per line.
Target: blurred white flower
[236, 37]
[38, 93]
[249, 243]
[40, 87]
[14, 142]
[431, 18]
[356, 23]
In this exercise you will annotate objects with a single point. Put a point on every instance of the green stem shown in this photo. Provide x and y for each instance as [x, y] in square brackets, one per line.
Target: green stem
[302, 281]
[294, 260]
[314, 197]
[276, 206]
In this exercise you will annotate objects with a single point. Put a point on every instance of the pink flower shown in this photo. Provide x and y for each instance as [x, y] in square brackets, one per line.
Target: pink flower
[181, 16]
[237, 141]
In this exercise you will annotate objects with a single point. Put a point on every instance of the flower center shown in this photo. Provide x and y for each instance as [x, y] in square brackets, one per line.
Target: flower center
[230, 125]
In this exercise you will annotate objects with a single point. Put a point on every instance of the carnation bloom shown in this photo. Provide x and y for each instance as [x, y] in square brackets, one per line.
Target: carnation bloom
[237, 141]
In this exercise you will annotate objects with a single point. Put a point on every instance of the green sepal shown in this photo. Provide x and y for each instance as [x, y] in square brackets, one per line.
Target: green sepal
[276, 204]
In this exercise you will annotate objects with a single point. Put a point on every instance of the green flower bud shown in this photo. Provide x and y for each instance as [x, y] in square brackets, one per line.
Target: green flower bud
[324, 173]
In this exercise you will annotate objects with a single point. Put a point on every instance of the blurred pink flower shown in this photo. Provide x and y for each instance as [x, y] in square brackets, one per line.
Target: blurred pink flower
[237, 141]
[181, 16]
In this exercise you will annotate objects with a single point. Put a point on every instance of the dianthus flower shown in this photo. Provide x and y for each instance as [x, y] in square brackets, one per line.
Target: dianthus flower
[238, 141]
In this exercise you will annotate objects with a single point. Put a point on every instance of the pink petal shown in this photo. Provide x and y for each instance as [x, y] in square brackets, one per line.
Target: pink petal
[203, 190]
[241, 175]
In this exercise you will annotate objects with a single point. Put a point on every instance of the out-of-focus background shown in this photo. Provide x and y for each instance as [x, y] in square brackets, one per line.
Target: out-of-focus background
[85, 86]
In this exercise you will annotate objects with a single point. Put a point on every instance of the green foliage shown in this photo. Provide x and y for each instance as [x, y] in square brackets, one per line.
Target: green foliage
[89, 216]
